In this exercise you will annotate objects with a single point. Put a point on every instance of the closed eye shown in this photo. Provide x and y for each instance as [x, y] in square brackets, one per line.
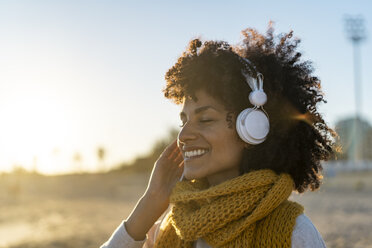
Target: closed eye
[202, 121]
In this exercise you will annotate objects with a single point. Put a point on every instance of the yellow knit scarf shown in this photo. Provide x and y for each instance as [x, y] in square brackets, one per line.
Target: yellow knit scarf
[251, 210]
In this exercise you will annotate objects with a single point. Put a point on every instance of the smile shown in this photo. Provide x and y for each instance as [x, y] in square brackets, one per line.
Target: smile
[195, 153]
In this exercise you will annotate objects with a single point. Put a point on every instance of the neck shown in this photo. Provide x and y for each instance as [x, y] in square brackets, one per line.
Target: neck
[222, 176]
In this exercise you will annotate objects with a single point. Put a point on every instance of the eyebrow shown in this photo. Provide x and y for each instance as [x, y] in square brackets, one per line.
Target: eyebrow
[201, 109]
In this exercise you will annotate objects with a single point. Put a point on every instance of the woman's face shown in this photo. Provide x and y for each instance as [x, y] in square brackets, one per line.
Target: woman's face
[208, 140]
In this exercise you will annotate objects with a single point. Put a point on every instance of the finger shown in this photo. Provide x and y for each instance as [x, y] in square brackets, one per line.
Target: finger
[181, 172]
[179, 158]
[176, 156]
[181, 165]
[169, 149]
[175, 153]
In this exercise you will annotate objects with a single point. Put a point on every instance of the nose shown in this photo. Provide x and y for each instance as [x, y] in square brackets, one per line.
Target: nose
[187, 134]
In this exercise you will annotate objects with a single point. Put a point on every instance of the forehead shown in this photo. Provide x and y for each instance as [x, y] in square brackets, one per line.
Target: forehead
[202, 99]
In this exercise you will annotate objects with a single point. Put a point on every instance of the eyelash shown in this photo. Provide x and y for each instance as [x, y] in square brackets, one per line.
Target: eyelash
[202, 121]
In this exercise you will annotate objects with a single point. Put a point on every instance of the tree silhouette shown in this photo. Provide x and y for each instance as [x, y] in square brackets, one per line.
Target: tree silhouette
[101, 153]
[146, 161]
[346, 129]
[77, 162]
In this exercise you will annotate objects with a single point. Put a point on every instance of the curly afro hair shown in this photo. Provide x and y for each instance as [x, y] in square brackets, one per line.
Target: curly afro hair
[299, 139]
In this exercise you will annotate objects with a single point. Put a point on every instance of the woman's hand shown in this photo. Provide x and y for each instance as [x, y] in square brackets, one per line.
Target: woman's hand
[166, 173]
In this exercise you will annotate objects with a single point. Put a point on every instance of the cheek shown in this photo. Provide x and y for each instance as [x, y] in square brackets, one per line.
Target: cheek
[228, 146]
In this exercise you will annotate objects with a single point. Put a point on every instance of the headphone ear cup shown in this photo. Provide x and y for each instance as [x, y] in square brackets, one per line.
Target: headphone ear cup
[252, 126]
[240, 125]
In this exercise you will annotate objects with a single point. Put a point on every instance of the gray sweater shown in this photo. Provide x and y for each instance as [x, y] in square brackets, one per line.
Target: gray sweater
[304, 235]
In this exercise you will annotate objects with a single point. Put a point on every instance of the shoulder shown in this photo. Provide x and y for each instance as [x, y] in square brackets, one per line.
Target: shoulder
[305, 234]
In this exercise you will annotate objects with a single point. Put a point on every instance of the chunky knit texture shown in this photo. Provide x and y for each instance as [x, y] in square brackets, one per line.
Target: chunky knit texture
[251, 210]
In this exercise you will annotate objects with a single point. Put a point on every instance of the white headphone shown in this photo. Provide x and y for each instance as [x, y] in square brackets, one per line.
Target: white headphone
[252, 124]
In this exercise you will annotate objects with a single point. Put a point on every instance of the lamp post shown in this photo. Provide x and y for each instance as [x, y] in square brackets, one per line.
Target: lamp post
[355, 30]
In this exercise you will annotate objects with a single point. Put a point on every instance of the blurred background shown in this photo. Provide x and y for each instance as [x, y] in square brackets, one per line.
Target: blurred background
[83, 117]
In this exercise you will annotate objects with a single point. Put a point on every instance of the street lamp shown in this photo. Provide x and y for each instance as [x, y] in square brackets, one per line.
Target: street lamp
[355, 30]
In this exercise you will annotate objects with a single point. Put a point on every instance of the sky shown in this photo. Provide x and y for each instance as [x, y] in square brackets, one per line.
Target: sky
[78, 75]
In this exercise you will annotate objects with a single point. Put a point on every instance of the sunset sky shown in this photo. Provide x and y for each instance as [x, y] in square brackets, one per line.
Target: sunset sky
[78, 75]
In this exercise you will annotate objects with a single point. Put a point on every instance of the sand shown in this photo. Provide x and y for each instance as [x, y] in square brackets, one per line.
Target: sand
[83, 210]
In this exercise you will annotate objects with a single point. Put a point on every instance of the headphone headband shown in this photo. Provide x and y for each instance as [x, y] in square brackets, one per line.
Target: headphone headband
[249, 66]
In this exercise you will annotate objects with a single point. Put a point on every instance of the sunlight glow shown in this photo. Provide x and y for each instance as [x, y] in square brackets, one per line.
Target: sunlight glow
[33, 126]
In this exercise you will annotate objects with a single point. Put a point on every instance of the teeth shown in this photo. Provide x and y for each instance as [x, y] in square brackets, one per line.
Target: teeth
[193, 153]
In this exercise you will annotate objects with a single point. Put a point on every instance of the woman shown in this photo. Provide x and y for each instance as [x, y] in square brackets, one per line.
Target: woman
[238, 169]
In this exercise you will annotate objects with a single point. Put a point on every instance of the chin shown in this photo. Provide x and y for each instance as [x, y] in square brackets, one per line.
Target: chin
[189, 175]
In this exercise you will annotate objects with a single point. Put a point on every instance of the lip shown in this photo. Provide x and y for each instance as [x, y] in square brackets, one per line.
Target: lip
[195, 157]
[192, 149]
